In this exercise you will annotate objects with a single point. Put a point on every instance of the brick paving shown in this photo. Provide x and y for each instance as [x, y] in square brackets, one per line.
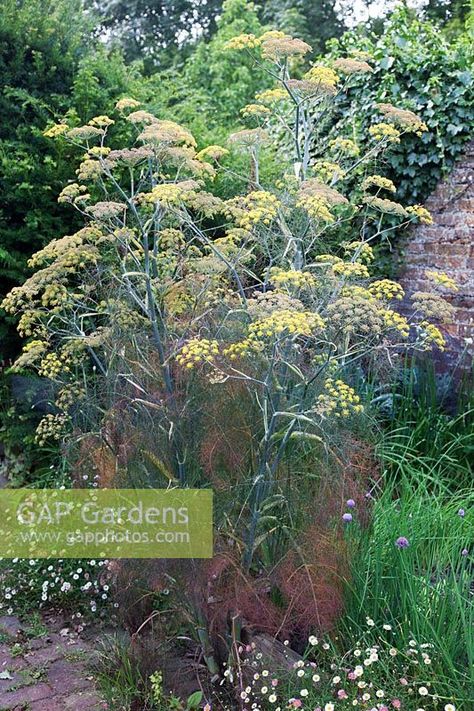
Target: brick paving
[47, 672]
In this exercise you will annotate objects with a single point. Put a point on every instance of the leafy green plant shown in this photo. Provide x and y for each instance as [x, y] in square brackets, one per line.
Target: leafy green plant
[418, 68]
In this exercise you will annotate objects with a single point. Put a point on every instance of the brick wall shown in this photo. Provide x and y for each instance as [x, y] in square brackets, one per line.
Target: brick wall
[448, 245]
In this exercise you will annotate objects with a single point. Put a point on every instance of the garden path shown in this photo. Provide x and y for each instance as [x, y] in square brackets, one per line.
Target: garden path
[43, 667]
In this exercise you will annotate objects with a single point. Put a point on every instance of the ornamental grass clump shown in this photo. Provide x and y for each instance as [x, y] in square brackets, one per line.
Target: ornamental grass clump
[170, 300]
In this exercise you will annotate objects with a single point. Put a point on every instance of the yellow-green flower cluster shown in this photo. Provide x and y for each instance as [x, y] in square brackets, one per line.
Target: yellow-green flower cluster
[442, 279]
[324, 76]
[32, 351]
[212, 152]
[349, 65]
[421, 213]
[355, 313]
[69, 395]
[29, 322]
[350, 270]
[249, 137]
[298, 323]
[276, 48]
[51, 427]
[328, 171]
[59, 129]
[345, 146]
[262, 304]
[54, 295]
[339, 399]
[316, 207]
[89, 169]
[243, 41]
[396, 321]
[363, 251]
[404, 118]
[260, 206]
[271, 96]
[197, 351]
[432, 306]
[169, 194]
[384, 132]
[379, 181]
[137, 117]
[171, 239]
[126, 103]
[327, 259]
[52, 365]
[101, 121]
[295, 278]
[71, 192]
[107, 210]
[160, 132]
[388, 207]
[85, 133]
[97, 152]
[241, 349]
[255, 110]
[432, 335]
[386, 289]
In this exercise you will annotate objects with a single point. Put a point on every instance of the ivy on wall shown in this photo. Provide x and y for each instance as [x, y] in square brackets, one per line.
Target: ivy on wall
[416, 68]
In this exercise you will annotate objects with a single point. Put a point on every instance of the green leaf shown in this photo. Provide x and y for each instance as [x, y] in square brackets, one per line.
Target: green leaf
[194, 700]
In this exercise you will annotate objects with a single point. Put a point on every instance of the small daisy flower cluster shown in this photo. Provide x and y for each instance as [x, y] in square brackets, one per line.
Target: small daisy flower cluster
[79, 585]
[375, 675]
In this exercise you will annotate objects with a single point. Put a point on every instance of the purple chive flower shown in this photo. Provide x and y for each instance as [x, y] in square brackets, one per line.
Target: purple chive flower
[350, 503]
[461, 513]
[402, 542]
[347, 517]
[464, 551]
